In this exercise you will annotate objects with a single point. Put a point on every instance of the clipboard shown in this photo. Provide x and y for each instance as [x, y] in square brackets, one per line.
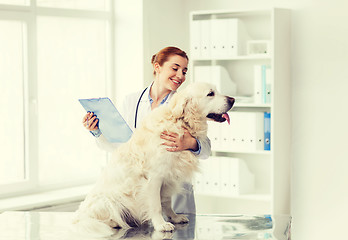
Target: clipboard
[111, 123]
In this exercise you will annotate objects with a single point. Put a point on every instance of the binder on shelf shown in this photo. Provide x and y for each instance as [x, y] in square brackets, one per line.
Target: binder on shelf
[237, 37]
[205, 38]
[258, 84]
[199, 181]
[236, 132]
[262, 84]
[254, 131]
[228, 38]
[219, 38]
[245, 132]
[268, 80]
[207, 175]
[195, 39]
[267, 131]
[243, 181]
[214, 134]
[263, 67]
[226, 176]
[214, 174]
[225, 138]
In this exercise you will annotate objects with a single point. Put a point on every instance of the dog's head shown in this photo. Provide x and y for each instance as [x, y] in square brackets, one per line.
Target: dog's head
[201, 100]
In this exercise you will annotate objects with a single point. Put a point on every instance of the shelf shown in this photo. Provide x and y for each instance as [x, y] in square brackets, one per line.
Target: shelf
[237, 58]
[261, 152]
[254, 197]
[252, 105]
[236, 12]
[264, 70]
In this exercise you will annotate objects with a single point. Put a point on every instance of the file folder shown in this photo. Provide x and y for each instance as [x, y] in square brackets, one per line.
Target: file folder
[219, 38]
[268, 76]
[234, 38]
[195, 40]
[226, 184]
[111, 123]
[226, 176]
[258, 90]
[205, 39]
[214, 134]
[267, 129]
[262, 84]
[254, 131]
[246, 133]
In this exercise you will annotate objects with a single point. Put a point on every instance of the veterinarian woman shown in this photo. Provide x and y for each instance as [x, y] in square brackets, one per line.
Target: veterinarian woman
[170, 67]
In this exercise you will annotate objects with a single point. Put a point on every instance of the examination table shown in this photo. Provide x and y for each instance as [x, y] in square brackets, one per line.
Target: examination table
[57, 226]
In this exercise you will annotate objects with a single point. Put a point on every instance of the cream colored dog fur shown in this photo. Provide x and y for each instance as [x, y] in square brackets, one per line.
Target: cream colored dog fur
[138, 182]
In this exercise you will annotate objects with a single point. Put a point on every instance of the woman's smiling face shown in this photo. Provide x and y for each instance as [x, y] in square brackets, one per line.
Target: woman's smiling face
[172, 73]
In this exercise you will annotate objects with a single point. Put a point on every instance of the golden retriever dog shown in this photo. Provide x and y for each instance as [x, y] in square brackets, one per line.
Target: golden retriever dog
[137, 184]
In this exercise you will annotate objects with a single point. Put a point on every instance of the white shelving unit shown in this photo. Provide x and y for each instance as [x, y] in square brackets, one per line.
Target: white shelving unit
[271, 169]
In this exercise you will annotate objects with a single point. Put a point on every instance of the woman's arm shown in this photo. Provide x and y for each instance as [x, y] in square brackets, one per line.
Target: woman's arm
[90, 121]
[205, 148]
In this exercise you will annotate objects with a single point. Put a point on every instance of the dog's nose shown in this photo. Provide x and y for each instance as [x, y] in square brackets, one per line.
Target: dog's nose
[230, 101]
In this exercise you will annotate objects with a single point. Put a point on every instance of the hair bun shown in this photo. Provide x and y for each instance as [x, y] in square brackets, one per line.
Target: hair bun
[153, 59]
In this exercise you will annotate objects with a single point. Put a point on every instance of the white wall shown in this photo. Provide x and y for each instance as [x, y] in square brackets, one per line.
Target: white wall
[319, 46]
[320, 83]
[165, 24]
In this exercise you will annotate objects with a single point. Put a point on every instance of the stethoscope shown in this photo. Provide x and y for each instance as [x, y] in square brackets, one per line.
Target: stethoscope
[136, 110]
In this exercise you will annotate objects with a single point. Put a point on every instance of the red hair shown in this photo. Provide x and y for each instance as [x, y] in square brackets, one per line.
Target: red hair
[163, 55]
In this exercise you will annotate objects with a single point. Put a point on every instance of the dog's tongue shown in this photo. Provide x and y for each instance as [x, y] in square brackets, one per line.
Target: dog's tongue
[225, 116]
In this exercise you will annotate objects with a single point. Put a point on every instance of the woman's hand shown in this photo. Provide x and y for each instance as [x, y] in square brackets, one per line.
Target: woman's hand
[177, 144]
[90, 121]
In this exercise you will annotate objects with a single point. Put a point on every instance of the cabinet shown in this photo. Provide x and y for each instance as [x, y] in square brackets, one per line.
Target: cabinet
[251, 49]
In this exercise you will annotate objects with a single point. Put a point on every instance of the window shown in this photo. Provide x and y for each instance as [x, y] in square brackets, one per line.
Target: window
[101, 5]
[53, 53]
[12, 49]
[14, 2]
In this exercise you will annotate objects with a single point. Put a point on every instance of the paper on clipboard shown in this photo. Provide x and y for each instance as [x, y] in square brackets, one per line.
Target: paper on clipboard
[111, 123]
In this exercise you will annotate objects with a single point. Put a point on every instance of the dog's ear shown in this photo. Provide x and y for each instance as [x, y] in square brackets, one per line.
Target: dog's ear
[178, 104]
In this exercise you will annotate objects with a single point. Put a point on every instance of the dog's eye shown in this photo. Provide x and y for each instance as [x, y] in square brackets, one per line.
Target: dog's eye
[211, 94]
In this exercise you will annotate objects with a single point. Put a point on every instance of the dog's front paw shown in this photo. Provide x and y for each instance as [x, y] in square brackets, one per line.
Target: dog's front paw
[164, 227]
[179, 218]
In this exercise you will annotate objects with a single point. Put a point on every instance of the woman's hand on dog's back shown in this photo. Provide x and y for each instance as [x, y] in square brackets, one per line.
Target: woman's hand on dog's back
[90, 121]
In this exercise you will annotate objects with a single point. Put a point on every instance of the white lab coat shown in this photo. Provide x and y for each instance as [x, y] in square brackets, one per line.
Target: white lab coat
[184, 202]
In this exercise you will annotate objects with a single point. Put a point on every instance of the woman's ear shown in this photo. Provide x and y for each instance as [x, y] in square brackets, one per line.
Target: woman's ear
[156, 67]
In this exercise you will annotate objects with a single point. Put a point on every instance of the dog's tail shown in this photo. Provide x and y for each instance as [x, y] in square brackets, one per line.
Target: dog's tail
[100, 218]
